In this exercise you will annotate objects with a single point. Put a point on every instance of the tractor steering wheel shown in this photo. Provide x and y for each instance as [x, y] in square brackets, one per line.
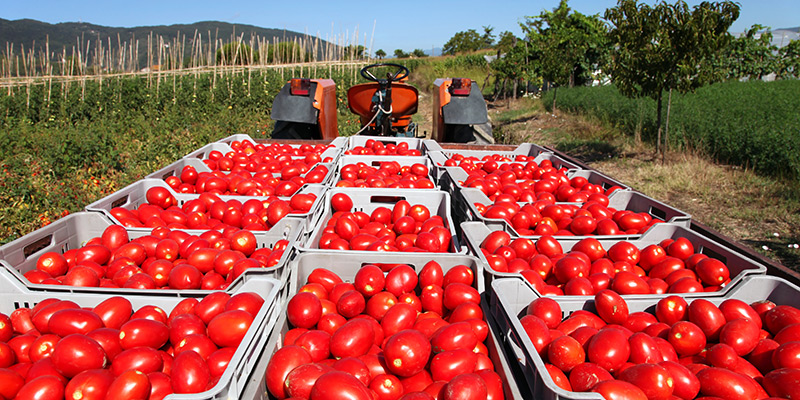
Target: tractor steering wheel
[402, 72]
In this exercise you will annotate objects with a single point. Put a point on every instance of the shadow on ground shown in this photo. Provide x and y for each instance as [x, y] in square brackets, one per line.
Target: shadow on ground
[779, 248]
[589, 150]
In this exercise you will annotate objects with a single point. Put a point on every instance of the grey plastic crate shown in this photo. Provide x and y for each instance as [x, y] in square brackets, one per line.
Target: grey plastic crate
[619, 200]
[513, 298]
[739, 265]
[346, 267]
[13, 295]
[177, 167]
[375, 161]
[360, 141]
[202, 153]
[134, 195]
[74, 230]
[539, 154]
[368, 199]
[256, 387]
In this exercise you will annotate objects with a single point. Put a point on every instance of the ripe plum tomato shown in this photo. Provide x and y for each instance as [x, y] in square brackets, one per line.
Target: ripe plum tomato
[352, 339]
[611, 307]
[76, 353]
[687, 338]
[336, 385]
[609, 348]
[547, 310]
[619, 390]
[281, 364]
[565, 353]
[341, 202]
[304, 310]
[407, 352]
[229, 328]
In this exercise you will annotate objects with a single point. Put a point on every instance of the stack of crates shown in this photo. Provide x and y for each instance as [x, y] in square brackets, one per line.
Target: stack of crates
[294, 242]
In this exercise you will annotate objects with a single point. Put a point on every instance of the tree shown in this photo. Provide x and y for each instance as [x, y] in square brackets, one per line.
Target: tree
[750, 57]
[351, 52]
[487, 39]
[463, 41]
[236, 53]
[380, 53]
[569, 45]
[419, 53]
[506, 42]
[789, 63]
[400, 53]
[667, 47]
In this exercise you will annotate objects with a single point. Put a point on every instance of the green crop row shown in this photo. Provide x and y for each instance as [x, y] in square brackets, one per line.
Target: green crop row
[752, 124]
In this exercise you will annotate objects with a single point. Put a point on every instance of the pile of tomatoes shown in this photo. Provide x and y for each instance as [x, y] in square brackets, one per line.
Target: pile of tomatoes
[671, 266]
[59, 350]
[732, 351]
[276, 150]
[241, 181]
[399, 335]
[404, 227]
[208, 211]
[163, 259]
[378, 148]
[390, 174]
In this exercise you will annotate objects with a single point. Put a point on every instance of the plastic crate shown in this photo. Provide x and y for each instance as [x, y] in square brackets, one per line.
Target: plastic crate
[739, 265]
[346, 268]
[177, 167]
[539, 155]
[360, 141]
[134, 195]
[466, 198]
[368, 199]
[74, 230]
[513, 297]
[375, 161]
[202, 153]
[13, 295]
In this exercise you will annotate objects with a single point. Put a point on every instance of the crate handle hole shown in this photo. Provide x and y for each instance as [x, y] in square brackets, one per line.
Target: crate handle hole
[657, 212]
[386, 199]
[167, 175]
[120, 202]
[32, 248]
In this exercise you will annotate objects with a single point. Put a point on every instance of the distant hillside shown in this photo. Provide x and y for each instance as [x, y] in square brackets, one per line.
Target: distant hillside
[28, 32]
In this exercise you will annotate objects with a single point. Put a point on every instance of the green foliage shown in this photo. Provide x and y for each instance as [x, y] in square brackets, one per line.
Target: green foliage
[667, 46]
[380, 53]
[487, 38]
[236, 54]
[789, 65]
[351, 52]
[399, 53]
[752, 124]
[567, 45]
[67, 145]
[750, 57]
[464, 41]
[419, 53]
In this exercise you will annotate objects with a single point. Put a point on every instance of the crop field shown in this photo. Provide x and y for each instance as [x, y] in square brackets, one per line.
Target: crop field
[753, 124]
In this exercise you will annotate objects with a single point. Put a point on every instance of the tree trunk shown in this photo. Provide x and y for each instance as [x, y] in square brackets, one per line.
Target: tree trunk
[516, 83]
[666, 128]
[555, 96]
[658, 121]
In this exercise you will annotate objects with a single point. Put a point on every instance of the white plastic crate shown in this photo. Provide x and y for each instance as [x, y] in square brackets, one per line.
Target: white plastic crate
[376, 161]
[739, 265]
[361, 141]
[513, 298]
[74, 230]
[13, 295]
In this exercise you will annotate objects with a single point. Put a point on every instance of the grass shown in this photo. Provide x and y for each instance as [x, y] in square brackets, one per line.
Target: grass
[762, 212]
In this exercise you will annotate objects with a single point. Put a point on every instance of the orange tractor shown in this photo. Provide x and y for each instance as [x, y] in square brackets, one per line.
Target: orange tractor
[306, 108]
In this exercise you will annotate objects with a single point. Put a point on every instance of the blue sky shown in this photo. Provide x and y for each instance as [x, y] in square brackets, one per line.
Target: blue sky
[415, 24]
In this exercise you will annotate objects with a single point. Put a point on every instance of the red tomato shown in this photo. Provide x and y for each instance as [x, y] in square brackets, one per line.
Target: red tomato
[45, 387]
[352, 339]
[687, 338]
[76, 353]
[341, 202]
[565, 353]
[74, 320]
[585, 376]
[782, 383]
[89, 385]
[741, 334]
[707, 317]
[336, 385]
[143, 332]
[301, 380]
[609, 348]
[671, 309]
[465, 387]
[190, 373]
[229, 328]
[654, 380]
[619, 390]
[281, 364]
[131, 385]
[304, 310]
[547, 309]
[611, 307]
[407, 352]
[144, 359]
[720, 382]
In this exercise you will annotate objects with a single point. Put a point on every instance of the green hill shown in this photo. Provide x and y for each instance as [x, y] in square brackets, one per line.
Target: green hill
[29, 33]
